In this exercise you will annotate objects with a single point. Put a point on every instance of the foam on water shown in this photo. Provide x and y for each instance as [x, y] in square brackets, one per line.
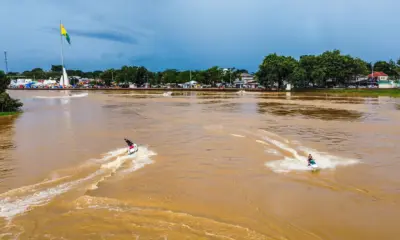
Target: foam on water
[141, 159]
[112, 167]
[110, 155]
[21, 200]
[64, 96]
[273, 151]
[167, 94]
[299, 163]
[262, 142]
[11, 206]
[237, 135]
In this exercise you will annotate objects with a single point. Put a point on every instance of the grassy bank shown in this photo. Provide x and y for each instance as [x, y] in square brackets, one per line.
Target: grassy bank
[3, 114]
[355, 92]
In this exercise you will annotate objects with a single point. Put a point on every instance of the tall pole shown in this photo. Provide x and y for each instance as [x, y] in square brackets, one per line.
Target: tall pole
[372, 72]
[5, 60]
[62, 51]
[62, 59]
[230, 76]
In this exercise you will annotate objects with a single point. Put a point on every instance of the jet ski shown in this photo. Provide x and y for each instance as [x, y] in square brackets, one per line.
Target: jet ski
[132, 149]
[313, 165]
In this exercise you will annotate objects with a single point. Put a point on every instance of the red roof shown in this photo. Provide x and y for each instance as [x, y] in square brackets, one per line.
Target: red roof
[378, 74]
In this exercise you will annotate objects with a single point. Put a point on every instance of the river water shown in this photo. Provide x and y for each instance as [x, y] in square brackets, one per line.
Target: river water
[209, 166]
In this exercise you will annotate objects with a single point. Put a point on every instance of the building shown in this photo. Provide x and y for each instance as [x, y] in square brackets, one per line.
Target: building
[191, 84]
[382, 80]
[246, 81]
[378, 76]
[246, 77]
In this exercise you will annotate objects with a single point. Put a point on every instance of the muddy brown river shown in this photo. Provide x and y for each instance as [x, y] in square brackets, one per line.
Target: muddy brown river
[209, 166]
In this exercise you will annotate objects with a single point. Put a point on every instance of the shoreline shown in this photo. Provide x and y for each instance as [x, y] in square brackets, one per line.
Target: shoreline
[9, 114]
[343, 92]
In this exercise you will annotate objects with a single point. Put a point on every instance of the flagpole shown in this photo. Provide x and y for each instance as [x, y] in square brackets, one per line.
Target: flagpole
[62, 57]
[62, 51]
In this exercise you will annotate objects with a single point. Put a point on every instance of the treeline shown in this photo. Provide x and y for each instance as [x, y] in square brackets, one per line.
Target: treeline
[7, 104]
[53, 73]
[329, 68]
[138, 75]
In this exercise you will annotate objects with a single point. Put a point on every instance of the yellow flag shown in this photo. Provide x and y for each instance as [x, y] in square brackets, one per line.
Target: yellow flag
[64, 33]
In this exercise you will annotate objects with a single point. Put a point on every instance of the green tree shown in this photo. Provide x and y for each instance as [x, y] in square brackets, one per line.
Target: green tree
[309, 63]
[199, 76]
[232, 74]
[10, 74]
[242, 71]
[276, 69]
[318, 77]
[158, 78]
[169, 75]
[183, 77]
[332, 63]
[213, 75]
[73, 80]
[7, 104]
[298, 77]
[107, 76]
[389, 68]
[56, 68]
[141, 76]
[77, 73]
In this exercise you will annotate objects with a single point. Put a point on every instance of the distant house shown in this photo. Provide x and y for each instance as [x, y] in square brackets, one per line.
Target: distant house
[238, 83]
[245, 80]
[382, 79]
[190, 84]
[252, 84]
[246, 77]
[378, 76]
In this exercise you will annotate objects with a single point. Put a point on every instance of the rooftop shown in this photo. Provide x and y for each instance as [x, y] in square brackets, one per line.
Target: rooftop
[378, 74]
[246, 75]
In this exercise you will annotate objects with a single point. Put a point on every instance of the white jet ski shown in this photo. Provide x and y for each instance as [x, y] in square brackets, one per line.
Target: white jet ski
[133, 150]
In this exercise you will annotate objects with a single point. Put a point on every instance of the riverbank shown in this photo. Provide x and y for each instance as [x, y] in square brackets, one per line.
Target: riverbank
[5, 114]
[150, 89]
[362, 92]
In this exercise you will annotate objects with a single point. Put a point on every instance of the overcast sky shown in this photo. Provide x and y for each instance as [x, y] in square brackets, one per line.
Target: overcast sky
[193, 34]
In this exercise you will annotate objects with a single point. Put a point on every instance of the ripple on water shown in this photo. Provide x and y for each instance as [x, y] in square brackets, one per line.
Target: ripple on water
[327, 114]
[6, 144]
[127, 221]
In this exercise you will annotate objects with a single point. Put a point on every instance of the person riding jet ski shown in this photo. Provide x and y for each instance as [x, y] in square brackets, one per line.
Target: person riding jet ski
[311, 161]
[132, 147]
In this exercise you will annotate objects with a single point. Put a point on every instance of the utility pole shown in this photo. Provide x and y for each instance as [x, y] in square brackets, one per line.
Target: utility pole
[230, 76]
[5, 60]
[372, 72]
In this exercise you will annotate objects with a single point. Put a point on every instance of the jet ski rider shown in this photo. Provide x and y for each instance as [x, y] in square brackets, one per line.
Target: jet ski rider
[130, 143]
[310, 160]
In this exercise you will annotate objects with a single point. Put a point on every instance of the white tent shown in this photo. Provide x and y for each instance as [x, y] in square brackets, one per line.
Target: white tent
[49, 82]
